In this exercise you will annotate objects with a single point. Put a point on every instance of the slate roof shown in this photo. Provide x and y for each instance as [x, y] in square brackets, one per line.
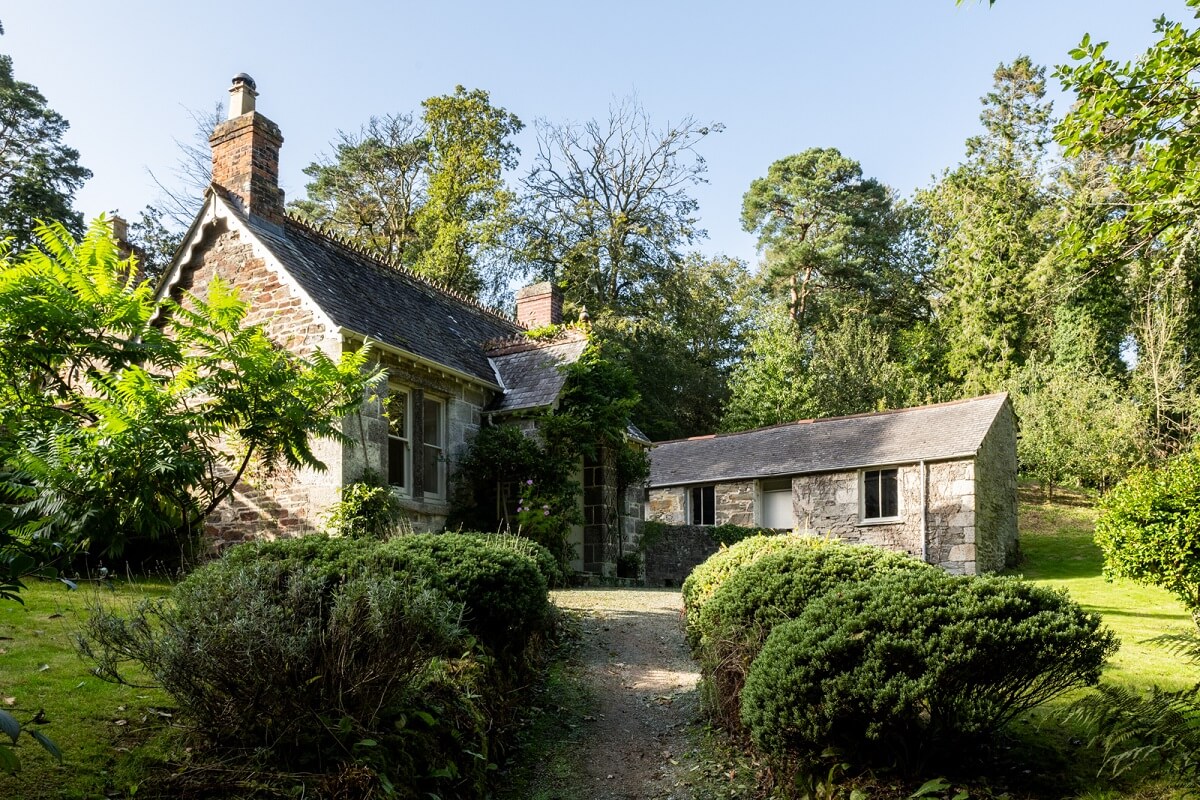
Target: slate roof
[532, 374]
[383, 303]
[946, 430]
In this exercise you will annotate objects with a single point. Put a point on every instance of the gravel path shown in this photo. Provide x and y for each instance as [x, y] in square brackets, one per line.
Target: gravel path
[636, 663]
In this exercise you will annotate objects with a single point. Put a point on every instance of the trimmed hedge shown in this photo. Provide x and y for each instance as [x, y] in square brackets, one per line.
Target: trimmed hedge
[699, 586]
[897, 668]
[733, 625]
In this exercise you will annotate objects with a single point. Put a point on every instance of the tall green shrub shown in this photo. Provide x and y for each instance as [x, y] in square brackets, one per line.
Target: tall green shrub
[904, 666]
[733, 625]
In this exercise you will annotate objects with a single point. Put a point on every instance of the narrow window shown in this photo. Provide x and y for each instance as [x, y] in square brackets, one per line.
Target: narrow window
[703, 503]
[399, 436]
[881, 494]
[433, 446]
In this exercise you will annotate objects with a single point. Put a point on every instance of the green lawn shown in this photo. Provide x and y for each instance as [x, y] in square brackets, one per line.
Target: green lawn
[92, 722]
[1056, 542]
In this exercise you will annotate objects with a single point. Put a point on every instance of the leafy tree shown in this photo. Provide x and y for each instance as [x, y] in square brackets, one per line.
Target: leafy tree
[39, 175]
[989, 226]
[824, 230]
[156, 242]
[682, 348]
[372, 187]
[607, 210]
[1139, 116]
[468, 209]
[123, 417]
[1076, 426]
[765, 387]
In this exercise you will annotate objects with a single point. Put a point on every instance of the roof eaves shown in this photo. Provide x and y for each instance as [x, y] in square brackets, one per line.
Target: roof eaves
[787, 473]
[347, 333]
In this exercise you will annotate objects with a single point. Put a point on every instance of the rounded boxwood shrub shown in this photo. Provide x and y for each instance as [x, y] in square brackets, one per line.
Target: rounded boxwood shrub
[699, 586]
[779, 586]
[547, 564]
[503, 592]
[913, 663]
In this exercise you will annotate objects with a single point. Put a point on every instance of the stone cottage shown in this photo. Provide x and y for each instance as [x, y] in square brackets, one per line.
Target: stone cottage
[938, 481]
[451, 362]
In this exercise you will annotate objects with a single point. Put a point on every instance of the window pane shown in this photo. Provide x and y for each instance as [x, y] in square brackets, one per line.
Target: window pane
[697, 507]
[433, 423]
[709, 493]
[888, 491]
[396, 411]
[397, 461]
[871, 494]
[432, 465]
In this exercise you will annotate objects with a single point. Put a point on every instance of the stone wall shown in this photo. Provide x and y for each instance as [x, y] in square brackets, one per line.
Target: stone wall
[668, 505]
[996, 494]
[826, 504]
[601, 527]
[735, 503]
[288, 502]
[671, 557]
[951, 517]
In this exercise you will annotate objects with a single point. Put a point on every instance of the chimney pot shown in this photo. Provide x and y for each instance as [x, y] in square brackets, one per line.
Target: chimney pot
[241, 95]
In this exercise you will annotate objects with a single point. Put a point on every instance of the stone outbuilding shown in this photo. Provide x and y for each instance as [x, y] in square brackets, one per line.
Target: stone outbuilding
[938, 482]
[452, 363]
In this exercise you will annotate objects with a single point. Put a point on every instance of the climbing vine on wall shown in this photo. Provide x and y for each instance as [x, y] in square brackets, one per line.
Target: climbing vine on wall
[527, 483]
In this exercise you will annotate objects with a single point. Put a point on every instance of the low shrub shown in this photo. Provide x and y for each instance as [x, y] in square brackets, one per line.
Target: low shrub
[367, 508]
[699, 586]
[547, 564]
[733, 625]
[897, 668]
[730, 534]
[278, 659]
[406, 655]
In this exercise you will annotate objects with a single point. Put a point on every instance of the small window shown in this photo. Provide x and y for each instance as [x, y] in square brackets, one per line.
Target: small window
[399, 437]
[433, 447]
[776, 511]
[881, 496]
[704, 505]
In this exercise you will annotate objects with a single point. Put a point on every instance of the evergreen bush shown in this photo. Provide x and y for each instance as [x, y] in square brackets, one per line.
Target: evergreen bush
[732, 626]
[699, 586]
[895, 669]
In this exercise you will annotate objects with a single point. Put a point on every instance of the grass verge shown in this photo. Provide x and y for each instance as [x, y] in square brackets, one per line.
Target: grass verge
[94, 723]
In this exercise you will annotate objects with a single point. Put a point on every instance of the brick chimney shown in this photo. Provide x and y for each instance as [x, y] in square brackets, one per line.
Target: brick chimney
[245, 151]
[540, 304]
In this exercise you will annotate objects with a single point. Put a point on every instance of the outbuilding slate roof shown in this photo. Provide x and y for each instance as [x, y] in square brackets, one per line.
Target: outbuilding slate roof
[386, 304]
[943, 431]
[532, 373]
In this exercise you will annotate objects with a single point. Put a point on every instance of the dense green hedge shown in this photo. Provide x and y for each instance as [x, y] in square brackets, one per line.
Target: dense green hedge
[732, 626]
[915, 663]
[406, 658]
[699, 586]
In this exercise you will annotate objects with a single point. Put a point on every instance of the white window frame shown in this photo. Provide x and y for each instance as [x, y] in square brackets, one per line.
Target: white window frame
[863, 519]
[440, 446]
[406, 437]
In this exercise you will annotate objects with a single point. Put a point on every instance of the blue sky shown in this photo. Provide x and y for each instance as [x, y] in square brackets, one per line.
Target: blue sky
[892, 84]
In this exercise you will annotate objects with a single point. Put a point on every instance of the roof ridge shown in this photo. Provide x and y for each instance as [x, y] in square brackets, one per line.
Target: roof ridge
[885, 412]
[395, 266]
